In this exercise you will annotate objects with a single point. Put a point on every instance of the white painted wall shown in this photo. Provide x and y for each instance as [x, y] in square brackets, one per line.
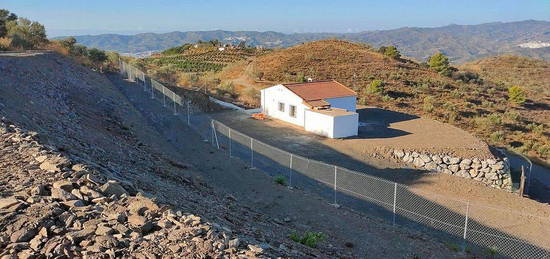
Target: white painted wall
[318, 123]
[322, 124]
[270, 104]
[346, 126]
[348, 103]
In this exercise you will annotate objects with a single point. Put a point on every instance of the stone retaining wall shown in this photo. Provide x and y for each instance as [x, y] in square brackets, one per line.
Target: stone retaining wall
[494, 172]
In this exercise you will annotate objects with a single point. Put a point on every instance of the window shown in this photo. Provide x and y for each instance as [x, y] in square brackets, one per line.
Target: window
[292, 111]
[281, 107]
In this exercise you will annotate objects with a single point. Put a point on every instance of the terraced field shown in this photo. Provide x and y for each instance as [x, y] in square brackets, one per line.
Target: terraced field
[199, 60]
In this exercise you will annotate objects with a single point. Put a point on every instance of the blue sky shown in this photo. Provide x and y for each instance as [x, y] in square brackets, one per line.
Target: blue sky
[62, 17]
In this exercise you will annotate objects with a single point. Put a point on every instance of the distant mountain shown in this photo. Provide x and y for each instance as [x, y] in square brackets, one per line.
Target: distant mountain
[460, 42]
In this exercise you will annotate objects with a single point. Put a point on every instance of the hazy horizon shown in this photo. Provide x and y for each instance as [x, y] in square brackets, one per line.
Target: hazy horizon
[64, 17]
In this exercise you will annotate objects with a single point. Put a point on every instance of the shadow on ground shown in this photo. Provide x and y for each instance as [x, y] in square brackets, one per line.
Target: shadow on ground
[364, 193]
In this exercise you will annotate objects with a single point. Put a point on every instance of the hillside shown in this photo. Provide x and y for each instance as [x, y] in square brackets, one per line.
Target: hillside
[96, 167]
[480, 107]
[460, 42]
[513, 70]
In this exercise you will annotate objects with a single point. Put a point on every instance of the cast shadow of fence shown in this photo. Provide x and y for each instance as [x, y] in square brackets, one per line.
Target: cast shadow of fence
[454, 221]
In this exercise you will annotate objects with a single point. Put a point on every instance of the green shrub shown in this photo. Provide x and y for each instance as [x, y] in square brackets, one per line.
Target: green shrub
[227, 89]
[497, 136]
[279, 179]
[513, 116]
[537, 129]
[517, 95]
[387, 98]
[428, 105]
[310, 239]
[390, 51]
[375, 87]
[439, 63]
[495, 119]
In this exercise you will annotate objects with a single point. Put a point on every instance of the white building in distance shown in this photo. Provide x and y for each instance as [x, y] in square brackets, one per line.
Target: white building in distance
[326, 108]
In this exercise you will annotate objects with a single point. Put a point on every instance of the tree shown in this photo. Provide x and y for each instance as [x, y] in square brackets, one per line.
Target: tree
[25, 33]
[375, 87]
[68, 42]
[517, 95]
[390, 51]
[440, 63]
[5, 16]
[97, 57]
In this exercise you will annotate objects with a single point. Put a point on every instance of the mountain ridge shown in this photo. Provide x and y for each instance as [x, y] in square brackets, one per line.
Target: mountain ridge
[461, 43]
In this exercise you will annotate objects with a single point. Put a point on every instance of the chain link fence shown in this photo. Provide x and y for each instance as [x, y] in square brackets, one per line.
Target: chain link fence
[463, 224]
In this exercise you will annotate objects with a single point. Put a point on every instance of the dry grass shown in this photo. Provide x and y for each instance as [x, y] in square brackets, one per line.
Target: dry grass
[413, 88]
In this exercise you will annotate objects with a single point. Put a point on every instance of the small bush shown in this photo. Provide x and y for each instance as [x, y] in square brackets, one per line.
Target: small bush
[512, 116]
[537, 129]
[386, 98]
[227, 89]
[5, 43]
[517, 95]
[375, 87]
[279, 179]
[310, 239]
[428, 105]
[494, 119]
[497, 136]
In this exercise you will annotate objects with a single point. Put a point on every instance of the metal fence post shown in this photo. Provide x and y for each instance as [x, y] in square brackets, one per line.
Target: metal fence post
[188, 114]
[466, 225]
[394, 201]
[229, 129]
[215, 135]
[174, 99]
[251, 152]
[290, 172]
[163, 95]
[335, 174]
[152, 89]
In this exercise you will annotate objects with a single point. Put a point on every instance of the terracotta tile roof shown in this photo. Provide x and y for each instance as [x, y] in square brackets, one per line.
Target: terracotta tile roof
[320, 90]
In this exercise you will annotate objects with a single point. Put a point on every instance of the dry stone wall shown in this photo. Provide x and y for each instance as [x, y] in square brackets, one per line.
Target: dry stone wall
[494, 172]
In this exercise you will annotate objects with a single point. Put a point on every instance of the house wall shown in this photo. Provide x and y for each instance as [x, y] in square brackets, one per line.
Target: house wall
[318, 123]
[346, 126]
[347, 103]
[270, 98]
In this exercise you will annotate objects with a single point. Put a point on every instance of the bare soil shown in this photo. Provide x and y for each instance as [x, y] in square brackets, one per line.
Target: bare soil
[113, 125]
[489, 206]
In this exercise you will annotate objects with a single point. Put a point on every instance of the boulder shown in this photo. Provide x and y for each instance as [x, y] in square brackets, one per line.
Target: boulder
[63, 184]
[454, 160]
[62, 195]
[425, 158]
[473, 172]
[8, 202]
[464, 166]
[466, 162]
[437, 159]
[454, 168]
[447, 160]
[399, 153]
[431, 166]
[141, 223]
[463, 173]
[113, 188]
[418, 162]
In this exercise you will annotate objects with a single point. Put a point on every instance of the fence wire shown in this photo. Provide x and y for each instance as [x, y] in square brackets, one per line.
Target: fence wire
[471, 225]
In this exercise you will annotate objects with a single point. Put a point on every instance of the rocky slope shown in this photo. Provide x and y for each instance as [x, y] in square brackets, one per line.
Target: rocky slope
[55, 207]
[89, 170]
[74, 178]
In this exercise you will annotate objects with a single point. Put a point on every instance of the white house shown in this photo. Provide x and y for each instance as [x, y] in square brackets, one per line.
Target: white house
[323, 107]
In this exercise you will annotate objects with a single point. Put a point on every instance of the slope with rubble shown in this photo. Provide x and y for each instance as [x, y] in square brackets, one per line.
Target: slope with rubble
[85, 172]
